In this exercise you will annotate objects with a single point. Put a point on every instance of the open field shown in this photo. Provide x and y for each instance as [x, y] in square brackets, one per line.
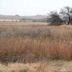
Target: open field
[26, 46]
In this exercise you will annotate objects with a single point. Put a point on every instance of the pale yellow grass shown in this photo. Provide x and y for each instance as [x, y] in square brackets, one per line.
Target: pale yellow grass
[44, 66]
[23, 23]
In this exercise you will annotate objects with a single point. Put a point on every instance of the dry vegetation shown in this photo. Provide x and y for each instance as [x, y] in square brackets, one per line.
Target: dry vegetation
[33, 43]
[43, 66]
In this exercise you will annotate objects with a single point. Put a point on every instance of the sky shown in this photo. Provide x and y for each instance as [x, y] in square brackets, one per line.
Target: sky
[31, 7]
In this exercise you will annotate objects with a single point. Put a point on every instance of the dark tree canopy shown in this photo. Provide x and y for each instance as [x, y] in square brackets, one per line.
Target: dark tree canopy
[54, 19]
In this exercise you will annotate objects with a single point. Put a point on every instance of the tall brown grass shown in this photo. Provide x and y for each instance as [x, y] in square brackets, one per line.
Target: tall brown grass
[33, 43]
[29, 50]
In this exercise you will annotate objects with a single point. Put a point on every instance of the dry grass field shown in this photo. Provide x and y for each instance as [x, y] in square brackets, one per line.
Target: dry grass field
[35, 47]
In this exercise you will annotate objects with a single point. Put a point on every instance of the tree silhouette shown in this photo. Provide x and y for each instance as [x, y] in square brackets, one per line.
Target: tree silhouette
[66, 13]
[54, 19]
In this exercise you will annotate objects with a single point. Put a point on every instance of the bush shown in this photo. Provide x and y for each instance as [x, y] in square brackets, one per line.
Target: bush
[54, 19]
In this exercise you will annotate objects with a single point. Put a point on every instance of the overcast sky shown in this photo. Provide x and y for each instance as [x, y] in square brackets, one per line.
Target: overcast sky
[31, 7]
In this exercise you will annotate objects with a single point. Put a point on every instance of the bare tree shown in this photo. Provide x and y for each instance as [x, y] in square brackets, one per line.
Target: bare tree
[66, 14]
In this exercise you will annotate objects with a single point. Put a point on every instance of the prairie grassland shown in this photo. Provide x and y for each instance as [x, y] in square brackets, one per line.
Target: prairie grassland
[35, 48]
[32, 43]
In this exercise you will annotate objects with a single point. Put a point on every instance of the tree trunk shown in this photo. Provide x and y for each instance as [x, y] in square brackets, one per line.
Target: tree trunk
[68, 19]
